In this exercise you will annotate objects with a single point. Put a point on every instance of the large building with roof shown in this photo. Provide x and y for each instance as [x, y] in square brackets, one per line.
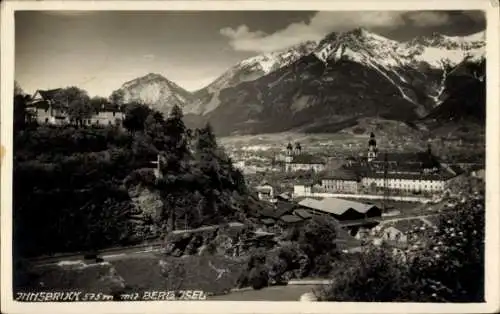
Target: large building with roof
[406, 172]
[341, 209]
[415, 172]
[340, 181]
[297, 160]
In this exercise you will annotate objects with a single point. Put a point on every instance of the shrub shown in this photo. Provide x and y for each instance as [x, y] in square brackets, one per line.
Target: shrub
[242, 280]
[258, 277]
[318, 235]
[323, 265]
[358, 130]
[444, 265]
[258, 258]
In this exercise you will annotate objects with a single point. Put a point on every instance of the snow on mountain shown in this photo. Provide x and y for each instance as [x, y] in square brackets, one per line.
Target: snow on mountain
[439, 48]
[345, 76]
[360, 45]
[156, 91]
[365, 72]
[392, 59]
[274, 60]
[247, 70]
[476, 37]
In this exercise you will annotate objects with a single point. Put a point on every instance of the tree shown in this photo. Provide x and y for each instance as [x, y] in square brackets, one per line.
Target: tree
[177, 149]
[117, 97]
[135, 116]
[76, 102]
[206, 154]
[437, 266]
[17, 89]
[372, 276]
[97, 102]
[318, 236]
[452, 255]
[154, 128]
[20, 102]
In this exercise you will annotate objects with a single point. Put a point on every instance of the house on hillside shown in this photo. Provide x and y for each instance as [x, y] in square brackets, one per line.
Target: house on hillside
[45, 107]
[341, 209]
[108, 114]
[401, 231]
[265, 192]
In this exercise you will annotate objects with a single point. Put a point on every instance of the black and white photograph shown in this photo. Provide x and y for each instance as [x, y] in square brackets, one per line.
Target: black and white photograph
[306, 156]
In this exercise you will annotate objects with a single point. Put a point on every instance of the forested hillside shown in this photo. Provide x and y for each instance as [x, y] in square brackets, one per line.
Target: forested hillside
[72, 185]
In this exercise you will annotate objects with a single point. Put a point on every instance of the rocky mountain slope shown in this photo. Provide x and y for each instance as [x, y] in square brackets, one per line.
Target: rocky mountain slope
[328, 85]
[208, 98]
[155, 90]
[352, 75]
[464, 95]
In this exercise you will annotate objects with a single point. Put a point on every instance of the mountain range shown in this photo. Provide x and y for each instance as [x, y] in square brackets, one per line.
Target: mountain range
[328, 85]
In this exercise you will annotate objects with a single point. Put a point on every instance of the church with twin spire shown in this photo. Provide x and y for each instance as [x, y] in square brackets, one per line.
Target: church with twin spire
[297, 160]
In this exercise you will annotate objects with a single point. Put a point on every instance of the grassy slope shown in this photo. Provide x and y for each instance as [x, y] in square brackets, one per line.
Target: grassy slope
[141, 273]
[195, 273]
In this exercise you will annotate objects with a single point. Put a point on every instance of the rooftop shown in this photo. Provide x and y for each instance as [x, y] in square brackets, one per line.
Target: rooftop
[341, 174]
[336, 206]
[48, 94]
[408, 158]
[264, 188]
[438, 176]
[303, 213]
[107, 107]
[407, 225]
[291, 218]
[307, 159]
[277, 210]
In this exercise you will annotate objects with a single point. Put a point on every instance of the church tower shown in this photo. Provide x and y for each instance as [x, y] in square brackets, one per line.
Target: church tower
[289, 153]
[298, 149]
[372, 147]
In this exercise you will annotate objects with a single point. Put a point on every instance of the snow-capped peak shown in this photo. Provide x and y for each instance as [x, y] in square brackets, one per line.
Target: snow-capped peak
[476, 37]
[360, 44]
[356, 45]
[274, 60]
[388, 57]
[248, 70]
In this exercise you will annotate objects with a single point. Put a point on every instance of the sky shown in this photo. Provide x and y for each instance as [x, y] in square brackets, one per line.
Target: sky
[100, 50]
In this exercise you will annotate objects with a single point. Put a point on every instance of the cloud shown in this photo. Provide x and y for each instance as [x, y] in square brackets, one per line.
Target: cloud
[477, 16]
[428, 18]
[321, 24]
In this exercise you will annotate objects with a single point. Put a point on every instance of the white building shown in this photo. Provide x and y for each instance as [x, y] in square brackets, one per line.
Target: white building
[296, 160]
